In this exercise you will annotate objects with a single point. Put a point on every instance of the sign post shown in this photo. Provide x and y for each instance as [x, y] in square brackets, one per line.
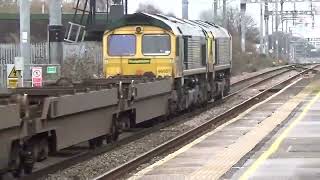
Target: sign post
[36, 76]
[19, 67]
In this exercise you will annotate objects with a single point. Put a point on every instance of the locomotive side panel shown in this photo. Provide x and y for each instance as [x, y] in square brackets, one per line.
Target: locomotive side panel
[194, 59]
[223, 51]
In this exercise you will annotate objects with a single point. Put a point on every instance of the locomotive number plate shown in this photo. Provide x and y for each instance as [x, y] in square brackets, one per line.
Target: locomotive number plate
[139, 61]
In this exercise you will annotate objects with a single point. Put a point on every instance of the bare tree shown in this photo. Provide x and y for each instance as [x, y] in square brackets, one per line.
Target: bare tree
[233, 23]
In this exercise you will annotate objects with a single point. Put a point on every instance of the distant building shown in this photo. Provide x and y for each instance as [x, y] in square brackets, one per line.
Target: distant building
[315, 41]
[311, 35]
[8, 1]
[15, 1]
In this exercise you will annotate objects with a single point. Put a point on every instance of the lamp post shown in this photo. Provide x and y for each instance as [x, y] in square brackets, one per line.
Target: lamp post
[215, 10]
[243, 28]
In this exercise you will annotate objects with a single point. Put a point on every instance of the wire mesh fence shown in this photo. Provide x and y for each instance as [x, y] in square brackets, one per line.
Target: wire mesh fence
[40, 55]
[80, 60]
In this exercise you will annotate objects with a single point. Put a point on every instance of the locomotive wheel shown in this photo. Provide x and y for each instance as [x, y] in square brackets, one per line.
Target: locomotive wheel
[227, 87]
[218, 97]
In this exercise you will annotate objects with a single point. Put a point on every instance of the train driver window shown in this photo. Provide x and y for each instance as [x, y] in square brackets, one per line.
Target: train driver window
[122, 45]
[156, 44]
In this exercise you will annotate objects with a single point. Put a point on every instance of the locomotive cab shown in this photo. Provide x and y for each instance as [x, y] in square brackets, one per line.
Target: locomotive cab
[196, 55]
[138, 51]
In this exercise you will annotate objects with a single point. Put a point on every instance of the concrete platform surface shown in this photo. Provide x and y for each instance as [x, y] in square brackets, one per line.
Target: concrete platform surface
[293, 152]
[216, 154]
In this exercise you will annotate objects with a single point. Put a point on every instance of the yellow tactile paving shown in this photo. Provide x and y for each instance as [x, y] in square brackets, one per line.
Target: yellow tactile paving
[274, 147]
[225, 157]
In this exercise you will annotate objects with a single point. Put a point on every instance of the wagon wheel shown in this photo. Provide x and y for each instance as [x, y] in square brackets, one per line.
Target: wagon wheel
[35, 150]
[28, 159]
[43, 149]
[96, 142]
[15, 160]
[114, 132]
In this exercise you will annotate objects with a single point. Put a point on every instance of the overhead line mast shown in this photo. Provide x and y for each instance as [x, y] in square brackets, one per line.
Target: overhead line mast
[185, 9]
[275, 13]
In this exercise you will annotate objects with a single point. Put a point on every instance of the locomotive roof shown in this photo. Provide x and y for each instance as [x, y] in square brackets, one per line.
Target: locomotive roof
[176, 25]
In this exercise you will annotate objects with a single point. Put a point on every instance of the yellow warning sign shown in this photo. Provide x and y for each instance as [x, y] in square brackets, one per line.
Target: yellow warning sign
[13, 73]
[12, 76]
[13, 83]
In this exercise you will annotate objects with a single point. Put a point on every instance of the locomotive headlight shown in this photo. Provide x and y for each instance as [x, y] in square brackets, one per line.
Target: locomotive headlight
[139, 29]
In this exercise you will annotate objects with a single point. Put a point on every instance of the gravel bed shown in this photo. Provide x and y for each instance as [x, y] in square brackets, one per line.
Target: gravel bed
[236, 87]
[105, 162]
[246, 75]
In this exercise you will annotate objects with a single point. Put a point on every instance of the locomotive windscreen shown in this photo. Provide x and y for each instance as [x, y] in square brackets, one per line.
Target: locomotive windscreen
[122, 45]
[156, 44]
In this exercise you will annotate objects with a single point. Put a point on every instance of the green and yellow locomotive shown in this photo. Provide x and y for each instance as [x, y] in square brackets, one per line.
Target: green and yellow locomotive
[196, 55]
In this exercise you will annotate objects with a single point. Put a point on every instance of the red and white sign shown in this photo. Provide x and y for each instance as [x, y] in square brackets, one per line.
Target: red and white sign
[36, 76]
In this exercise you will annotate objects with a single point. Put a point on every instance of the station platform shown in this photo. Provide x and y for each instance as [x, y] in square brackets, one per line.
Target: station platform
[278, 138]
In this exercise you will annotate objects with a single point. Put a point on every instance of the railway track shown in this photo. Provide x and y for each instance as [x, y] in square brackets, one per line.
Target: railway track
[198, 131]
[244, 83]
[138, 133]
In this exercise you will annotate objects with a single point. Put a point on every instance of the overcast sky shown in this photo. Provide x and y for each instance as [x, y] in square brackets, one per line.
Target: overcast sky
[174, 6]
[197, 6]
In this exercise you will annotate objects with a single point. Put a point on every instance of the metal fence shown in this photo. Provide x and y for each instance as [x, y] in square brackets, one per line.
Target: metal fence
[9, 51]
[39, 52]
[3, 78]
[86, 52]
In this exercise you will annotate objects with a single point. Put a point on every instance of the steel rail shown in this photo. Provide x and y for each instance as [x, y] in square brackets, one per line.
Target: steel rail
[261, 74]
[196, 132]
[87, 154]
[236, 91]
